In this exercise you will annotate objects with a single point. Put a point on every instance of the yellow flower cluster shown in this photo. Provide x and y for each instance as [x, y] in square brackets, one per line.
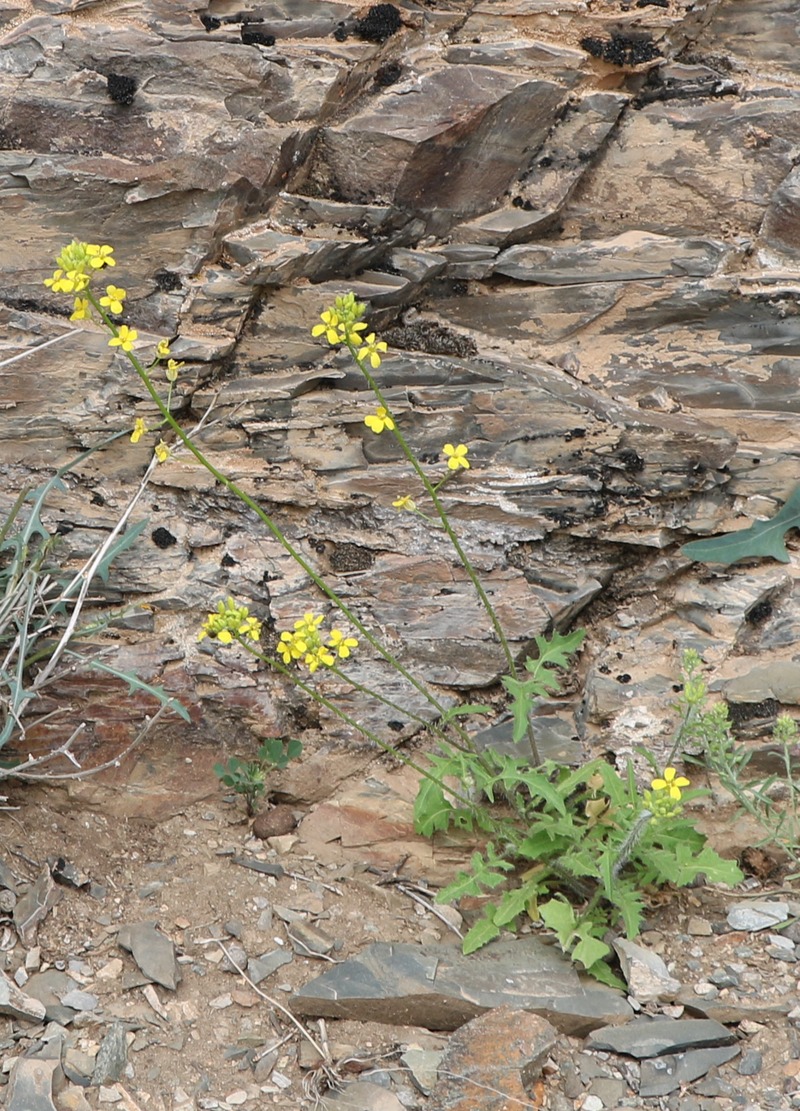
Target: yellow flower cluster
[75, 265]
[342, 323]
[456, 456]
[379, 420]
[230, 622]
[305, 644]
[664, 799]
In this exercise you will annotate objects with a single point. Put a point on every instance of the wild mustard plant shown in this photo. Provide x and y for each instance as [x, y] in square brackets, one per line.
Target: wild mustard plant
[570, 848]
[773, 800]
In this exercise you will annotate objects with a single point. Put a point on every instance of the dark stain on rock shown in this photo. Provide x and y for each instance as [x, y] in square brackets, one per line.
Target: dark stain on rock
[430, 337]
[388, 74]
[209, 22]
[621, 50]
[252, 36]
[167, 281]
[351, 557]
[121, 89]
[162, 538]
[380, 23]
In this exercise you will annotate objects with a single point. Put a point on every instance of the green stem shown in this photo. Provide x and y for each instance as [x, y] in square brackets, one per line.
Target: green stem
[265, 519]
[432, 491]
[321, 700]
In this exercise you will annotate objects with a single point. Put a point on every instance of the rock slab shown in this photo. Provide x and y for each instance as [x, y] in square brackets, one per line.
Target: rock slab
[491, 1062]
[646, 1037]
[438, 987]
[153, 952]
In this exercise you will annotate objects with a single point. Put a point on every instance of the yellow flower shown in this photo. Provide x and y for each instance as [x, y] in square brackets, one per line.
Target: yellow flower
[113, 299]
[371, 350]
[163, 349]
[139, 429]
[82, 309]
[456, 456]
[162, 452]
[379, 420]
[342, 323]
[231, 622]
[125, 338]
[671, 783]
[172, 370]
[99, 256]
[405, 502]
[341, 644]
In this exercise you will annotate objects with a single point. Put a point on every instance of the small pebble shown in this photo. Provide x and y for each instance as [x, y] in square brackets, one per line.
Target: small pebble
[750, 1063]
[698, 927]
[592, 1103]
[237, 1098]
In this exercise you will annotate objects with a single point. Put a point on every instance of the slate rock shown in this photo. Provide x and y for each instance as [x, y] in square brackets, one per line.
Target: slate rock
[259, 968]
[499, 1054]
[645, 1037]
[363, 1095]
[49, 987]
[645, 973]
[153, 952]
[757, 914]
[308, 940]
[423, 1065]
[661, 1075]
[31, 1085]
[33, 907]
[17, 1003]
[448, 142]
[112, 1056]
[438, 987]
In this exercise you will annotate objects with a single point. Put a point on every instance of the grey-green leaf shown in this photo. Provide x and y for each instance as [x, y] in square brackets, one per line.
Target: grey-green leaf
[763, 539]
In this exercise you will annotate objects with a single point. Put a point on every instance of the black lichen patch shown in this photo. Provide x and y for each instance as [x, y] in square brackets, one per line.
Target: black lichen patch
[252, 36]
[430, 337]
[652, 3]
[167, 280]
[621, 50]
[741, 712]
[340, 32]
[759, 613]
[388, 74]
[631, 461]
[209, 22]
[227, 561]
[121, 89]
[380, 23]
[351, 557]
[162, 538]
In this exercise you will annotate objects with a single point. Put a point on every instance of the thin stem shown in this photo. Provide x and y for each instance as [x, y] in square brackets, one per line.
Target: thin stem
[267, 520]
[431, 490]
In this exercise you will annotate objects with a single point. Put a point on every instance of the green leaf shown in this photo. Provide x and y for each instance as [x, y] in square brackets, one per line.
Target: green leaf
[522, 702]
[589, 951]
[763, 538]
[602, 973]
[481, 933]
[559, 916]
[432, 811]
[463, 884]
[514, 903]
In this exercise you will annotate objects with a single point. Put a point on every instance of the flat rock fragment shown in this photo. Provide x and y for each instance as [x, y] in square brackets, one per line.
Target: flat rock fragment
[33, 907]
[363, 1095]
[49, 987]
[758, 914]
[645, 973]
[499, 1054]
[259, 968]
[153, 952]
[646, 1037]
[112, 1056]
[31, 1085]
[17, 1003]
[437, 987]
[661, 1075]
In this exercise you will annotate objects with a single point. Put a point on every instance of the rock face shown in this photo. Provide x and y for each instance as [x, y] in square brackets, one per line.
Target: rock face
[579, 231]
